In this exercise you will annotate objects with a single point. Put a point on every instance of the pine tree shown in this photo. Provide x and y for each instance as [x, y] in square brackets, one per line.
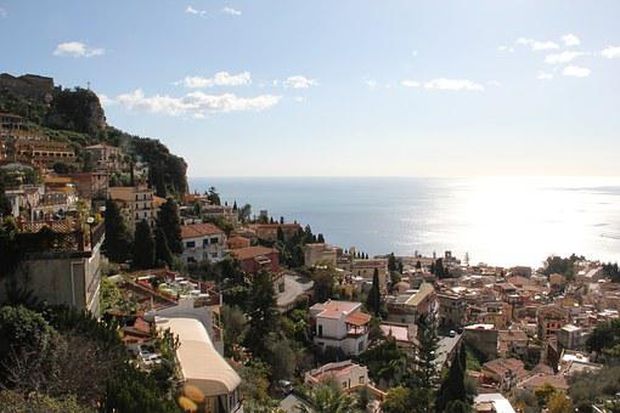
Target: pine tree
[169, 221]
[117, 244]
[320, 239]
[162, 251]
[373, 301]
[143, 246]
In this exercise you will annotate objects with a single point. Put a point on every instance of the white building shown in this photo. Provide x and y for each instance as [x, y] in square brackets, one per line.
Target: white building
[202, 366]
[340, 324]
[203, 242]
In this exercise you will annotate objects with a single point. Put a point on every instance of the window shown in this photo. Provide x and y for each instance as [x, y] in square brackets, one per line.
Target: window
[214, 255]
[190, 244]
[344, 384]
[361, 380]
[214, 240]
[360, 346]
[320, 330]
[205, 242]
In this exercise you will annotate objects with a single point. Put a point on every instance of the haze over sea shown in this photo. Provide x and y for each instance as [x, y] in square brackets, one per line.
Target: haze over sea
[499, 220]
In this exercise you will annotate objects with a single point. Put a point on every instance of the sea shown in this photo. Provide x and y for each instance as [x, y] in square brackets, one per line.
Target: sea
[495, 220]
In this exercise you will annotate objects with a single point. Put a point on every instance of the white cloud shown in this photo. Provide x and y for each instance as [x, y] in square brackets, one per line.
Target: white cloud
[544, 76]
[195, 104]
[230, 11]
[453, 84]
[410, 83]
[105, 100]
[537, 45]
[504, 48]
[576, 71]
[571, 40]
[611, 52]
[191, 10]
[219, 79]
[77, 49]
[299, 82]
[564, 57]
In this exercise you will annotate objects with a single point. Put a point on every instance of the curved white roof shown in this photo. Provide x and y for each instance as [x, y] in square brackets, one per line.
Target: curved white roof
[201, 364]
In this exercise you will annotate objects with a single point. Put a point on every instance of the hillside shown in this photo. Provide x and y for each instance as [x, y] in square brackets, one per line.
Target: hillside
[77, 117]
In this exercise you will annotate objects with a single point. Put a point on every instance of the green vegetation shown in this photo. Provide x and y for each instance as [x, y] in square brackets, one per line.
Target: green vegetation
[452, 389]
[373, 301]
[168, 221]
[387, 364]
[163, 255]
[328, 398]
[605, 340]
[117, 244]
[612, 271]
[563, 266]
[599, 387]
[143, 247]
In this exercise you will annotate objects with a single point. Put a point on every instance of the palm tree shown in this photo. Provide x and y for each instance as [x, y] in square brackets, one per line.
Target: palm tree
[328, 398]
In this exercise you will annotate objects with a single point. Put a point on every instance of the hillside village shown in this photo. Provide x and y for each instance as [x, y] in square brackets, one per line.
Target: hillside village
[219, 308]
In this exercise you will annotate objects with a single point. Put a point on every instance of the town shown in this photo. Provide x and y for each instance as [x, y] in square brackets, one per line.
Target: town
[188, 303]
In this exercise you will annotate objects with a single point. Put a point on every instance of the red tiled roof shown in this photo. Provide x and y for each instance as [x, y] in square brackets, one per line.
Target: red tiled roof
[199, 230]
[358, 319]
[252, 252]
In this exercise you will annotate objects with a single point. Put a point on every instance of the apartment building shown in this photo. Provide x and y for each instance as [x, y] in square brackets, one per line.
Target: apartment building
[203, 242]
[136, 204]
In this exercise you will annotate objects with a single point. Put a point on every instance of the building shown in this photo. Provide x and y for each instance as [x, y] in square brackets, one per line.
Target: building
[452, 310]
[492, 403]
[405, 335]
[68, 272]
[237, 242]
[571, 337]
[136, 204]
[407, 308]
[366, 269]
[341, 325]
[483, 338]
[43, 152]
[504, 373]
[203, 242]
[202, 365]
[269, 232]
[550, 319]
[323, 254]
[105, 156]
[511, 341]
[254, 259]
[91, 185]
[347, 375]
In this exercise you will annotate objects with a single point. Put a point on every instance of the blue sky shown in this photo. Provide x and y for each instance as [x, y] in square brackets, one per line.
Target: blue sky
[347, 87]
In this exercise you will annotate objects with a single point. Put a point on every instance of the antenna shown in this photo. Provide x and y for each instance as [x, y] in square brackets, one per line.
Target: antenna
[88, 85]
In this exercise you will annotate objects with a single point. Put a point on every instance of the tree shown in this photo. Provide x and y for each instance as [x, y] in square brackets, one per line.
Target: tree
[162, 252]
[234, 322]
[320, 239]
[262, 313]
[559, 403]
[387, 364]
[5, 204]
[374, 295]
[245, 212]
[143, 246]
[328, 398]
[117, 243]
[423, 379]
[453, 386]
[397, 400]
[213, 196]
[170, 223]
[392, 266]
[324, 279]
[457, 406]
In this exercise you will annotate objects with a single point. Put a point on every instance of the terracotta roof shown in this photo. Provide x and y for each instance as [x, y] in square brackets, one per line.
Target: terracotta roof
[199, 230]
[540, 379]
[252, 252]
[358, 319]
[502, 366]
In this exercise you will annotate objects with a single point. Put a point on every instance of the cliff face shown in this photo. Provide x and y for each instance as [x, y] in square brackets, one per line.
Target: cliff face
[79, 111]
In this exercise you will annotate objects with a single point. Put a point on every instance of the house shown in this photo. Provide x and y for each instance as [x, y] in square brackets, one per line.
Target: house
[319, 253]
[136, 204]
[347, 375]
[405, 335]
[504, 372]
[202, 366]
[254, 259]
[91, 185]
[511, 341]
[571, 337]
[237, 242]
[203, 242]
[492, 403]
[340, 324]
[538, 380]
[43, 152]
[452, 310]
[366, 269]
[269, 232]
[550, 319]
[105, 156]
[483, 338]
[407, 308]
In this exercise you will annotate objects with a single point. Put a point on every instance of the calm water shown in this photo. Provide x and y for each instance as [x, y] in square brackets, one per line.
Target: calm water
[503, 221]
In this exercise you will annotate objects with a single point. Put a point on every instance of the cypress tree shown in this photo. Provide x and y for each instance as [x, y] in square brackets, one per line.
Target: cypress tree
[117, 244]
[162, 251]
[453, 387]
[262, 313]
[143, 246]
[373, 301]
[170, 223]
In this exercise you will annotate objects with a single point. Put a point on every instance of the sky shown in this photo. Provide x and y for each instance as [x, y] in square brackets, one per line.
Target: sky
[342, 87]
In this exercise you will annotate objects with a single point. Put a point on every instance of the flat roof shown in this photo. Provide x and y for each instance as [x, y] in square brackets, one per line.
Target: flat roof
[201, 364]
